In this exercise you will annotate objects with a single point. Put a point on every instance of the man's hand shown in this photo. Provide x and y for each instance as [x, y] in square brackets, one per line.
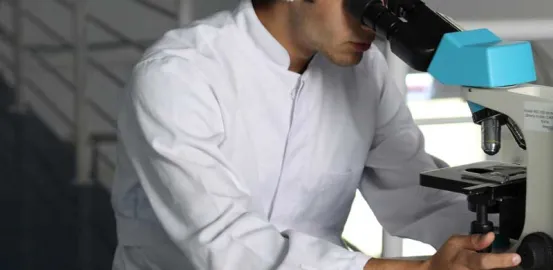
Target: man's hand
[461, 253]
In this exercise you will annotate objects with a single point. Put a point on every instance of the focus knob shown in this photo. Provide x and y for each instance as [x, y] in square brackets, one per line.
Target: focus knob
[536, 251]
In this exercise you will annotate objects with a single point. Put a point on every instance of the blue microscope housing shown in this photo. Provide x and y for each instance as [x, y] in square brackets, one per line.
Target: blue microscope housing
[480, 59]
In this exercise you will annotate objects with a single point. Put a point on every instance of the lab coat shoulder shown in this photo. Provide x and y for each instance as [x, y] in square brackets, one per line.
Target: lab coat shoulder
[374, 85]
[392, 116]
[194, 39]
[389, 99]
[170, 96]
[175, 75]
[376, 66]
[195, 46]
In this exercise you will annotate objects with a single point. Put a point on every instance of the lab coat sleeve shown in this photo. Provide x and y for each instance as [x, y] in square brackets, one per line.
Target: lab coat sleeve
[390, 181]
[172, 132]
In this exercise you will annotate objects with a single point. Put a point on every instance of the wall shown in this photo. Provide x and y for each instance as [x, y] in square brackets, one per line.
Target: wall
[125, 16]
[493, 9]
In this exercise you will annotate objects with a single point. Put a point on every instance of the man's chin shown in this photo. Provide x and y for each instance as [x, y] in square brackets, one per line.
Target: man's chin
[347, 60]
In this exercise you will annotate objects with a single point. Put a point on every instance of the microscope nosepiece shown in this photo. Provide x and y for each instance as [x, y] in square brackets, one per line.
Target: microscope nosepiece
[491, 136]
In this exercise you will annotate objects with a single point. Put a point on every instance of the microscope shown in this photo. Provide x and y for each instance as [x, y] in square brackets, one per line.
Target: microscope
[495, 77]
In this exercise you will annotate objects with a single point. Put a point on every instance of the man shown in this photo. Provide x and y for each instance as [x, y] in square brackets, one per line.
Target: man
[245, 136]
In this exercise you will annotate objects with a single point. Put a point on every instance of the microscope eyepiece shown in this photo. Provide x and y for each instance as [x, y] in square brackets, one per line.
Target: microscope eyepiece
[357, 8]
[413, 30]
[374, 14]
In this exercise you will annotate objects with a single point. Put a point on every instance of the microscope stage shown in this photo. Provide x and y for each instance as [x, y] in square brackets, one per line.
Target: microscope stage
[477, 177]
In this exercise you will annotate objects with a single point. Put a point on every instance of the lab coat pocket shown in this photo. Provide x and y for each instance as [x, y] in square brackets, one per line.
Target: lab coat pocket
[330, 197]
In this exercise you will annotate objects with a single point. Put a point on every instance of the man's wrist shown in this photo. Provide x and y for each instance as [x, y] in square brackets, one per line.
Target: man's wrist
[389, 264]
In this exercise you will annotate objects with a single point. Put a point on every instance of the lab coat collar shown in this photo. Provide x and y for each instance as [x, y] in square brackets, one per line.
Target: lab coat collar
[261, 36]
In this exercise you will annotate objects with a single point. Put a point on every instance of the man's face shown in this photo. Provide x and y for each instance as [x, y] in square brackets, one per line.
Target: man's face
[325, 26]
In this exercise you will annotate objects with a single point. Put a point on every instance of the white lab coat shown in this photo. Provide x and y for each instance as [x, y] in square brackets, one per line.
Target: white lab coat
[227, 160]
